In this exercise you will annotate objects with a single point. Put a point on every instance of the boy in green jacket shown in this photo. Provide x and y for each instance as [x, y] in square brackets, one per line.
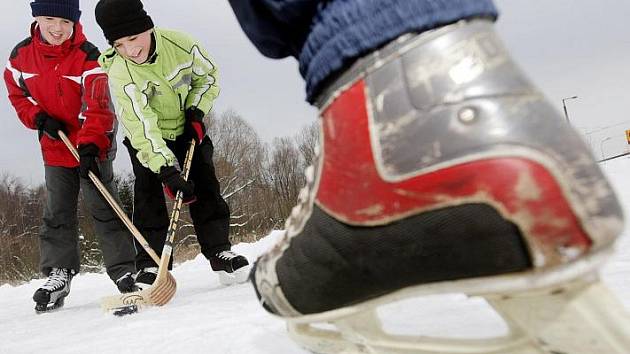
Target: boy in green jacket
[163, 84]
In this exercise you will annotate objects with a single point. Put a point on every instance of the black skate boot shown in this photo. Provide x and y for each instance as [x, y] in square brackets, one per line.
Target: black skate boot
[146, 277]
[231, 267]
[443, 169]
[51, 295]
[126, 283]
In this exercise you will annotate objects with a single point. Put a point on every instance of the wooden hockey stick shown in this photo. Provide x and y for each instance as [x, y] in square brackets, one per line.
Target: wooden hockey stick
[163, 289]
[172, 228]
[160, 292]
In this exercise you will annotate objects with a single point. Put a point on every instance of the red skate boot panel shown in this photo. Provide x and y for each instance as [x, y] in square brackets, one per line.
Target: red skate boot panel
[523, 191]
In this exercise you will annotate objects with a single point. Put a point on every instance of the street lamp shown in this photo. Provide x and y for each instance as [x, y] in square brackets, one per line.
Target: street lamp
[601, 145]
[564, 105]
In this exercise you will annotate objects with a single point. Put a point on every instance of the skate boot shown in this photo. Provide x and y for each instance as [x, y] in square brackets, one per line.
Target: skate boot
[146, 277]
[51, 295]
[443, 170]
[231, 267]
[126, 283]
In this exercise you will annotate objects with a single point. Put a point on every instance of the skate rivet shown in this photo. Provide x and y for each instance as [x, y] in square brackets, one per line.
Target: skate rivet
[569, 252]
[467, 115]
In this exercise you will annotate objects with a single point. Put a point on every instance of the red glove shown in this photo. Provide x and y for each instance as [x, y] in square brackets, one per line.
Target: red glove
[195, 129]
[174, 182]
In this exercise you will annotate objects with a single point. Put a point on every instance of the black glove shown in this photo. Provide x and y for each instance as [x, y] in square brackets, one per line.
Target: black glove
[174, 182]
[49, 125]
[194, 128]
[88, 160]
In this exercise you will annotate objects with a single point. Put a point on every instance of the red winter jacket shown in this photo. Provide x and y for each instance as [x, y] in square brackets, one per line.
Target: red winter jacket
[67, 83]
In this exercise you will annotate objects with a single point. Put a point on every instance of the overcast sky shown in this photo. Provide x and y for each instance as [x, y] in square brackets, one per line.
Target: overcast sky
[568, 47]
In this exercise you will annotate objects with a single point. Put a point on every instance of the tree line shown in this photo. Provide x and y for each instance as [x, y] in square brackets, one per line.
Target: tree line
[260, 181]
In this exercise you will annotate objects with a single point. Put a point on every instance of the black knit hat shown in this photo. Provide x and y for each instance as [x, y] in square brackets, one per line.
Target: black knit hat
[68, 9]
[122, 18]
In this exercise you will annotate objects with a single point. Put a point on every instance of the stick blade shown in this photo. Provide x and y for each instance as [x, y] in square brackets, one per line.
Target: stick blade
[160, 293]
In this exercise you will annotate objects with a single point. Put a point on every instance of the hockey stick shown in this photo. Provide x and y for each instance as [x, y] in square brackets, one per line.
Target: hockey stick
[163, 289]
[159, 290]
[172, 227]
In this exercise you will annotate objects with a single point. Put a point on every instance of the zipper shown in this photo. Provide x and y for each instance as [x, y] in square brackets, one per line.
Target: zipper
[59, 89]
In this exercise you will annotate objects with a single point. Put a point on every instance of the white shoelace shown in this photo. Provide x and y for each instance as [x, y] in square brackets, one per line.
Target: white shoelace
[153, 270]
[56, 279]
[227, 255]
[123, 277]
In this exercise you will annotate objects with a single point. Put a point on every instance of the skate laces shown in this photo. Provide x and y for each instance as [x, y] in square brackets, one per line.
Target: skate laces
[128, 274]
[226, 255]
[56, 279]
[145, 277]
[152, 270]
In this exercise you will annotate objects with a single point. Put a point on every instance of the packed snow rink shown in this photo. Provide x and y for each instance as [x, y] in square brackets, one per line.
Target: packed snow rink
[205, 317]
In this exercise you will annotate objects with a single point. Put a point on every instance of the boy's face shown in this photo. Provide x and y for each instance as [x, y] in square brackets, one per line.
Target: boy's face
[55, 30]
[135, 48]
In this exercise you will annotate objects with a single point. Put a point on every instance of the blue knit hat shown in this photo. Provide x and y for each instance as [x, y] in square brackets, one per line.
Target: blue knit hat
[68, 9]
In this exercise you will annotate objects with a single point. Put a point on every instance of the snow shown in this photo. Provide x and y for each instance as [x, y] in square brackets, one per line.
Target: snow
[206, 317]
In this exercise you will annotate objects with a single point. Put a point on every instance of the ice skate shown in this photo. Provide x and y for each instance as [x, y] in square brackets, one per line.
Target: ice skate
[442, 170]
[130, 301]
[230, 267]
[52, 294]
[126, 283]
[145, 277]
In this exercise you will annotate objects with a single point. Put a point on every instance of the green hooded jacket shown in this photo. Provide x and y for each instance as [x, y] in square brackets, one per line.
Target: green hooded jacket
[150, 98]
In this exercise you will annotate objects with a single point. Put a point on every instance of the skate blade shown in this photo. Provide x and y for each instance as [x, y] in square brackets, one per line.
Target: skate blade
[52, 307]
[160, 293]
[579, 317]
[239, 276]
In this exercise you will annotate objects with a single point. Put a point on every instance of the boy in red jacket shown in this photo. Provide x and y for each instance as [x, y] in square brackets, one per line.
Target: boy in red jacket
[55, 84]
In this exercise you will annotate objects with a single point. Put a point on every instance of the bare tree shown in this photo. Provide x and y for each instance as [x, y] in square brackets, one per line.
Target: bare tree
[20, 214]
[285, 174]
[21, 210]
[307, 140]
[239, 157]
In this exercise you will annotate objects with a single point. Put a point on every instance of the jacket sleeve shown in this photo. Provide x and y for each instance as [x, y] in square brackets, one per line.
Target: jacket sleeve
[139, 121]
[25, 106]
[204, 87]
[97, 112]
[278, 28]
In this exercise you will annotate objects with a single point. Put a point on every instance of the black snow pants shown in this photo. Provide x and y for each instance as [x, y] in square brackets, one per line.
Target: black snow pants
[59, 239]
[210, 213]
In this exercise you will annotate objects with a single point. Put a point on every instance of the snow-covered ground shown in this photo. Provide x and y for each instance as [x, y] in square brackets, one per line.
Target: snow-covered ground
[205, 317]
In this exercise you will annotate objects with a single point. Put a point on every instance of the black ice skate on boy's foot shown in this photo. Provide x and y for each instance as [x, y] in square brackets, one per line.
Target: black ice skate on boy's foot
[126, 283]
[51, 295]
[146, 277]
[444, 170]
[231, 267]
